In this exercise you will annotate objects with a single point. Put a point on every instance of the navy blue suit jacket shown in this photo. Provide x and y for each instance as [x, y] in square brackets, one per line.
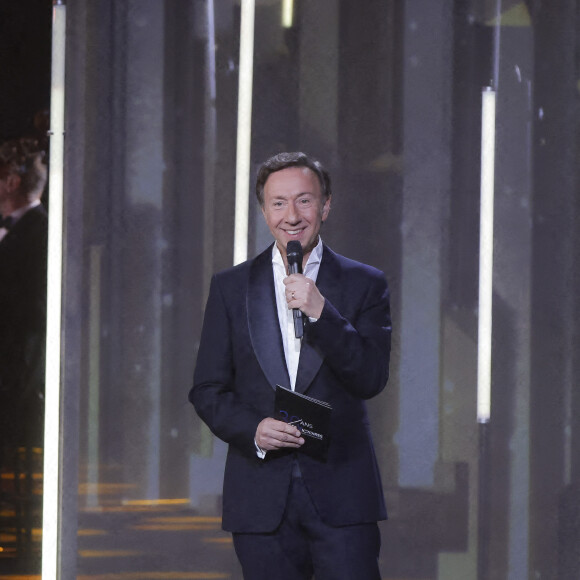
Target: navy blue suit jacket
[344, 360]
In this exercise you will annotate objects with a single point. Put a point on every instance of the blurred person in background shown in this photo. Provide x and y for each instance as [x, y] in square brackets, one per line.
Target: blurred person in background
[23, 263]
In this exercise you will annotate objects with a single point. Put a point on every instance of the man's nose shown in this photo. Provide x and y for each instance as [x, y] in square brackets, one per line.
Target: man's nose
[292, 215]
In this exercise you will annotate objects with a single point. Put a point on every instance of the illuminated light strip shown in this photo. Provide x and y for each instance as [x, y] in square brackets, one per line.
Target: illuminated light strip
[287, 13]
[244, 141]
[109, 553]
[147, 509]
[486, 256]
[191, 519]
[51, 501]
[175, 527]
[90, 532]
[187, 519]
[138, 502]
[157, 576]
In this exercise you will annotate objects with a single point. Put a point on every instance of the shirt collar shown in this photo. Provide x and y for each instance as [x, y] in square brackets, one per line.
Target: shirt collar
[16, 215]
[314, 258]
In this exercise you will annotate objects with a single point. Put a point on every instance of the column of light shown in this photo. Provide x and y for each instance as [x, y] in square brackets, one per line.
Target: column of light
[486, 256]
[287, 13]
[244, 131]
[52, 460]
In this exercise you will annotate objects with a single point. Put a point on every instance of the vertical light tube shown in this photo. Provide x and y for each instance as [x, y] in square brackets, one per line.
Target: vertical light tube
[244, 131]
[210, 148]
[52, 459]
[287, 13]
[486, 256]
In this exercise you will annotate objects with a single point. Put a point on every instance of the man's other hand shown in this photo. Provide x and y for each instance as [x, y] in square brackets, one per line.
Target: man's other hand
[302, 293]
[272, 434]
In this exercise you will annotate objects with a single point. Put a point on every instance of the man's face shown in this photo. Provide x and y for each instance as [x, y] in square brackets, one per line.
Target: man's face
[294, 207]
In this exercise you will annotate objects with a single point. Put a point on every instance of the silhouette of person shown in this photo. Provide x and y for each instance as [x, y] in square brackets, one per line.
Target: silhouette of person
[23, 261]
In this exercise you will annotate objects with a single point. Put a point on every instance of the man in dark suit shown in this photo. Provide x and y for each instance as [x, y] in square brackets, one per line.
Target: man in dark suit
[291, 515]
[23, 245]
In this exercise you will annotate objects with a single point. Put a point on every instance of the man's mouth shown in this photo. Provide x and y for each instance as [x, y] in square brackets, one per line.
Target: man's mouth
[294, 232]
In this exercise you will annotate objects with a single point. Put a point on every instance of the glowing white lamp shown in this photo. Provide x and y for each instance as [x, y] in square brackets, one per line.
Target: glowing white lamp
[52, 460]
[287, 13]
[486, 256]
[244, 131]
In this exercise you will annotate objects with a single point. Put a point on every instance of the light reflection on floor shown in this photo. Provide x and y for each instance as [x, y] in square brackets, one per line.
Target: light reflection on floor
[133, 540]
[162, 541]
[138, 540]
[145, 576]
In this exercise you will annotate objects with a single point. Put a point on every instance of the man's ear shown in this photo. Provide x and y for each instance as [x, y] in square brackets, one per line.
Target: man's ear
[326, 208]
[13, 182]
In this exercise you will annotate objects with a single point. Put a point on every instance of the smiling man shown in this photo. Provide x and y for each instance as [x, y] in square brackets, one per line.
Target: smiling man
[293, 516]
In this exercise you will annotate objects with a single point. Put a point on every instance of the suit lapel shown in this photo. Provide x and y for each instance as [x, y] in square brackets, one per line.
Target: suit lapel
[263, 321]
[328, 282]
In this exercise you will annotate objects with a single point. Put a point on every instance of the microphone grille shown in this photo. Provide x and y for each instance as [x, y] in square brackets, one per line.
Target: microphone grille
[294, 252]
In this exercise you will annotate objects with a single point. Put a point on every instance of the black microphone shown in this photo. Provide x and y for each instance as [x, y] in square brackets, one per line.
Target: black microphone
[294, 257]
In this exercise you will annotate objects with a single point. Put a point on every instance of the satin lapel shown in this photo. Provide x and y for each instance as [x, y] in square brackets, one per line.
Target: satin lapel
[263, 321]
[328, 282]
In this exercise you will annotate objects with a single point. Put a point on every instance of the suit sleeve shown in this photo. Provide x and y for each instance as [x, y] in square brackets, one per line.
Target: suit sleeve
[357, 350]
[212, 393]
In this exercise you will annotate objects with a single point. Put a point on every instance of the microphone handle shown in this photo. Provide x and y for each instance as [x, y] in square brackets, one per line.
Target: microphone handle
[298, 323]
[296, 268]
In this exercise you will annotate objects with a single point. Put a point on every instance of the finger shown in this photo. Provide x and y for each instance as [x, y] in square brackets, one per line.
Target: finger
[273, 434]
[286, 441]
[294, 279]
[275, 429]
[268, 443]
[282, 431]
[291, 430]
[278, 425]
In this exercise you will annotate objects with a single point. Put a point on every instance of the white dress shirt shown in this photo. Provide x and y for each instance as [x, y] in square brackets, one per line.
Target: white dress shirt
[285, 317]
[290, 343]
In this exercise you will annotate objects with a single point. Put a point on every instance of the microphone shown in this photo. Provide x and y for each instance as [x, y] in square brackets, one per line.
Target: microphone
[294, 257]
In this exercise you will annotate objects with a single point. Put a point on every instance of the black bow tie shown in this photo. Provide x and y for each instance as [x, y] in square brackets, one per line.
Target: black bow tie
[6, 222]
